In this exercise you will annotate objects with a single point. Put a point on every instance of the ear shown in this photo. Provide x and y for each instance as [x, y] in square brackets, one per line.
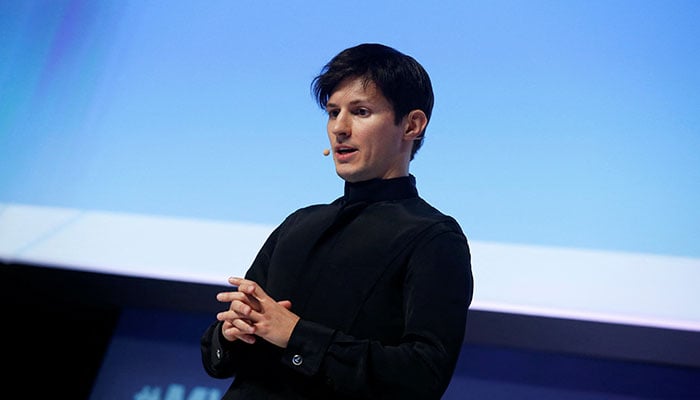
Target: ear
[416, 121]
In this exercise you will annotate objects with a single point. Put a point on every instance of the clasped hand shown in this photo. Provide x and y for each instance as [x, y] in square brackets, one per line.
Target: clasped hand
[252, 313]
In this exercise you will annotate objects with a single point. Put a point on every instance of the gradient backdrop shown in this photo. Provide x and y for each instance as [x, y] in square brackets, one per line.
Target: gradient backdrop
[565, 139]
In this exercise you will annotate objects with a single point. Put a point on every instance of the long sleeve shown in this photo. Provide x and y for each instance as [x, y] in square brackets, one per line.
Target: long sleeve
[382, 285]
[437, 291]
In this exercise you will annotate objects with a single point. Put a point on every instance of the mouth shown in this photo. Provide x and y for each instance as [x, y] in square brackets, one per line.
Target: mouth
[342, 150]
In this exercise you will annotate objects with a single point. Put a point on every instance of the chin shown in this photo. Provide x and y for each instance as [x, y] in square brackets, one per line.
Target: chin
[349, 176]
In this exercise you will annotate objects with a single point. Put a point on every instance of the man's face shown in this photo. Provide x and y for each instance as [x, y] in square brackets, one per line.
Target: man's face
[366, 143]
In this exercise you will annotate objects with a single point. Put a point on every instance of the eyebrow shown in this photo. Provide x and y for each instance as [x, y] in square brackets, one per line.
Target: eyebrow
[352, 103]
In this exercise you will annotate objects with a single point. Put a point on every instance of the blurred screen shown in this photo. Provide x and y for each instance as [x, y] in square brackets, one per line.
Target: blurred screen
[167, 139]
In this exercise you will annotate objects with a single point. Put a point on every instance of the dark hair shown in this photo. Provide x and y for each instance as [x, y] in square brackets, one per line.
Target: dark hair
[401, 79]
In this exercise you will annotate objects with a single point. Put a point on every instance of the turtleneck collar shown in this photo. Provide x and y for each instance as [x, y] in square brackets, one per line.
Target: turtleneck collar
[375, 190]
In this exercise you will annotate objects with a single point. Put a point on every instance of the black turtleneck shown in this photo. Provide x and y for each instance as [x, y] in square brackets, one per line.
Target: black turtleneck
[381, 281]
[380, 190]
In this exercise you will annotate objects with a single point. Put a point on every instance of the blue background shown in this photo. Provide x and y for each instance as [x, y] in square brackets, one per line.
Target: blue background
[569, 124]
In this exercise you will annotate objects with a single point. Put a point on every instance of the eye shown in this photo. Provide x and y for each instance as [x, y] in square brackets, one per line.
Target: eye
[333, 113]
[362, 112]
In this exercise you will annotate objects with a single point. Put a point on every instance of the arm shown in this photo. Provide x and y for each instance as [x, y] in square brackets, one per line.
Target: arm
[221, 355]
[437, 291]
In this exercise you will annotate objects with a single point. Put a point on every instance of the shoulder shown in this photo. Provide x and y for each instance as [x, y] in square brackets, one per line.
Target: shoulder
[315, 210]
[312, 214]
[423, 212]
[417, 216]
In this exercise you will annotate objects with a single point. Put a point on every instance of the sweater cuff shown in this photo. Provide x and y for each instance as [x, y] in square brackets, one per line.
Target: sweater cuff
[307, 347]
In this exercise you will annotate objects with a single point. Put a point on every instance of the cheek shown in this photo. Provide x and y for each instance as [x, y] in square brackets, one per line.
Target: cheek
[388, 140]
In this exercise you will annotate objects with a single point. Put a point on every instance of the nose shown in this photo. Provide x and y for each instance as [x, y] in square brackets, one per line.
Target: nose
[340, 125]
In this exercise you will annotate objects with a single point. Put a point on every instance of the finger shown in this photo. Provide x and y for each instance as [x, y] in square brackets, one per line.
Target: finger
[237, 309]
[228, 316]
[247, 286]
[235, 281]
[229, 296]
[225, 297]
[244, 326]
[234, 326]
[286, 304]
[232, 333]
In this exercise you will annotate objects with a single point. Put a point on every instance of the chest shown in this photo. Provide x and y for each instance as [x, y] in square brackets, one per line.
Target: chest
[344, 273]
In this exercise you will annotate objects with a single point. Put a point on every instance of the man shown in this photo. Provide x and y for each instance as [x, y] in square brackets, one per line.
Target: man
[365, 297]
